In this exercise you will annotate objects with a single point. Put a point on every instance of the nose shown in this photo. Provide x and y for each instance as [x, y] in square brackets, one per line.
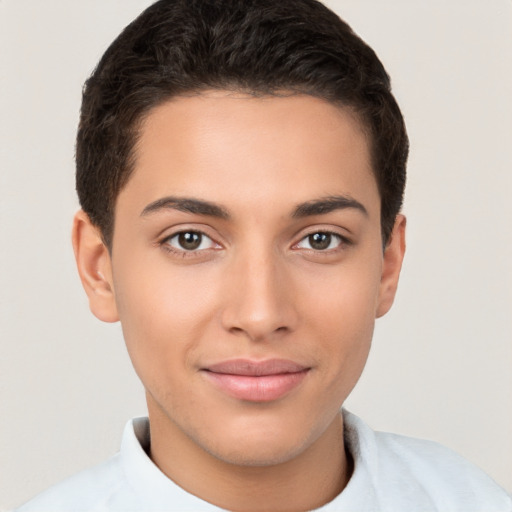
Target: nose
[260, 300]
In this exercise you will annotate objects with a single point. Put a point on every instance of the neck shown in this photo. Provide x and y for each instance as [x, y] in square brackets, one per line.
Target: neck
[307, 481]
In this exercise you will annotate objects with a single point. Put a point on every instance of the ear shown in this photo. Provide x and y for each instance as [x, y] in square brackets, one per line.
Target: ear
[392, 263]
[95, 267]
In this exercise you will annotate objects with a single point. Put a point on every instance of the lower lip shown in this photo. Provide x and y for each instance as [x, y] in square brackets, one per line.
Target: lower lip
[264, 388]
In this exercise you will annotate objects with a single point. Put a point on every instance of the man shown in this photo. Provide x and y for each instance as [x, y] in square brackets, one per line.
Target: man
[240, 167]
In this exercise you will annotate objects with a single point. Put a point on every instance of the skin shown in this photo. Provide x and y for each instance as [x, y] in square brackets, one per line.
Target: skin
[256, 288]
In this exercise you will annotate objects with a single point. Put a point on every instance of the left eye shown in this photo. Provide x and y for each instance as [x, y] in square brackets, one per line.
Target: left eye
[190, 241]
[320, 241]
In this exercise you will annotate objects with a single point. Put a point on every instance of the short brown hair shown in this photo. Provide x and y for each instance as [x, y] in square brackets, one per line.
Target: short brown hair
[257, 46]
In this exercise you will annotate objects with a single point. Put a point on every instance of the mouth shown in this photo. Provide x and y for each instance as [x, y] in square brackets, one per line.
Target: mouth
[256, 381]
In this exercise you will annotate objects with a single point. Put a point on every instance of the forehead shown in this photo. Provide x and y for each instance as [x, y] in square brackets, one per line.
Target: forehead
[244, 150]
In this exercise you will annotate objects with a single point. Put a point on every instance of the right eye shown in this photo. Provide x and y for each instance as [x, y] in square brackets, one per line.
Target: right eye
[189, 241]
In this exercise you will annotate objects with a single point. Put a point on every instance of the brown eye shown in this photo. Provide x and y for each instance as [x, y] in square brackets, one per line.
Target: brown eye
[320, 241]
[190, 240]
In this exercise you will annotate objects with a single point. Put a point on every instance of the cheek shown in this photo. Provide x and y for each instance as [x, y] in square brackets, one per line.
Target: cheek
[341, 312]
[163, 314]
[343, 298]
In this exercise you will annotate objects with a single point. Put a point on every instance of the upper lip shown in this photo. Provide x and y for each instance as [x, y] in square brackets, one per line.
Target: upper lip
[256, 368]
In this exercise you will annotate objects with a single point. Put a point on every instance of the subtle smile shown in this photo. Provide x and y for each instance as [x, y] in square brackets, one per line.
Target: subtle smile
[256, 381]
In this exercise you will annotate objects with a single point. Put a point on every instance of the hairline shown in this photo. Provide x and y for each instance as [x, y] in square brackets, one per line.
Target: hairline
[137, 128]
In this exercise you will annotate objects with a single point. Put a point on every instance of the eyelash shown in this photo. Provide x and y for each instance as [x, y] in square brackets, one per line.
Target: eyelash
[184, 253]
[343, 241]
[194, 253]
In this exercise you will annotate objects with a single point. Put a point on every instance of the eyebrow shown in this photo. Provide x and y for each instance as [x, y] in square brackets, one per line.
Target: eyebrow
[186, 204]
[326, 205]
[320, 206]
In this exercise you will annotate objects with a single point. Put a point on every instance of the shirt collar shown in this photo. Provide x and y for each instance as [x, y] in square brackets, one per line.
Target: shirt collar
[154, 488]
[157, 491]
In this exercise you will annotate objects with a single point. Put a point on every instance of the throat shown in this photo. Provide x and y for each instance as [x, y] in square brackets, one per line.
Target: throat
[306, 480]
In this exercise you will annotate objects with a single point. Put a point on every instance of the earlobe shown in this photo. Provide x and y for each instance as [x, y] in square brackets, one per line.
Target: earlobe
[94, 267]
[392, 264]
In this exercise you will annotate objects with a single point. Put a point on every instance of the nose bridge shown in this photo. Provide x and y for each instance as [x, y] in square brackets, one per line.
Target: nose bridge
[259, 302]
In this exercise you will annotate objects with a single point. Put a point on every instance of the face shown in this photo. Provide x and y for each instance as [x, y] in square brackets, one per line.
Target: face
[247, 270]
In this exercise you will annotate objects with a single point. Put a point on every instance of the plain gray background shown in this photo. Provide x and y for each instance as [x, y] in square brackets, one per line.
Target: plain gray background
[441, 361]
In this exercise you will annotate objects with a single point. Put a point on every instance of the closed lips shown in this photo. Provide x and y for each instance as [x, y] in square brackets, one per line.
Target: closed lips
[256, 381]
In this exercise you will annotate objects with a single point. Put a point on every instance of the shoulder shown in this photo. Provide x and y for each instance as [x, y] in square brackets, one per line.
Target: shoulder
[90, 490]
[408, 469]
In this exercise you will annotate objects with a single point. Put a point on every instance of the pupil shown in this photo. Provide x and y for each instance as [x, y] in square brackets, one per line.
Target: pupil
[190, 240]
[320, 241]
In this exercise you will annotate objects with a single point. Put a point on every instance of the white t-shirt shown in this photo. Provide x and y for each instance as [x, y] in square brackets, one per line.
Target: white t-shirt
[392, 473]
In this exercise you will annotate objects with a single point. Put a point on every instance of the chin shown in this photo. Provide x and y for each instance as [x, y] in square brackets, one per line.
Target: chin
[258, 454]
[259, 444]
